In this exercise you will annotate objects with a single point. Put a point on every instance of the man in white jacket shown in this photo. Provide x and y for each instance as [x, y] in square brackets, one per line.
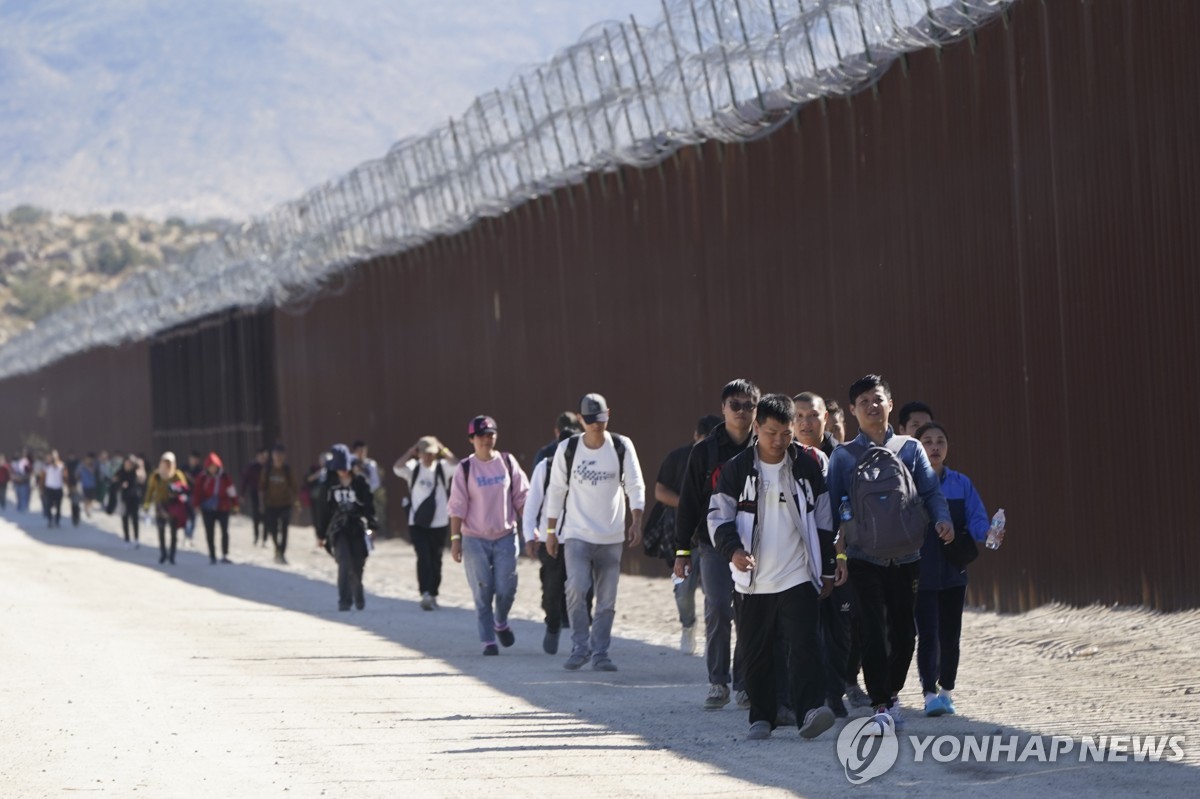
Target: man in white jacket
[586, 482]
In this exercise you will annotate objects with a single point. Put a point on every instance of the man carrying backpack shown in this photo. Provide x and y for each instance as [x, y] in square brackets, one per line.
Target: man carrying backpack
[884, 482]
[586, 482]
[428, 468]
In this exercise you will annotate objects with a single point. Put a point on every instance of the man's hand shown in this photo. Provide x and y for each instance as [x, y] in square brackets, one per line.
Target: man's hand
[531, 548]
[945, 531]
[840, 573]
[742, 560]
[827, 584]
[635, 533]
[456, 550]
[552, 544]
[683, 564]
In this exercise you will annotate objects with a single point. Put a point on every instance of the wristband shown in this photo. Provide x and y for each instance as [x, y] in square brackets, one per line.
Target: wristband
[552, 531]
[683, 553]
[841, 556]
[455, 537]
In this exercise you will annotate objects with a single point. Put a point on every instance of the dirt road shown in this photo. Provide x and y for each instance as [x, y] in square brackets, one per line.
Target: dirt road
[120, 677]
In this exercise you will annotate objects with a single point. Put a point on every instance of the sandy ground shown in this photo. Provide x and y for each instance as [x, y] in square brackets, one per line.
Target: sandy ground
[121, 678]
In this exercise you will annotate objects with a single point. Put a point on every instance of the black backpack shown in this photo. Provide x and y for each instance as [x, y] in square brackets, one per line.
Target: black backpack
[465, 466]
[889, 516]
[572, 448]
[423, 515]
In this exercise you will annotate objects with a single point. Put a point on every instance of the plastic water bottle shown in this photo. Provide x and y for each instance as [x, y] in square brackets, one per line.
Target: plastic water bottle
[846, 512]
[995, 534]
[677, 580]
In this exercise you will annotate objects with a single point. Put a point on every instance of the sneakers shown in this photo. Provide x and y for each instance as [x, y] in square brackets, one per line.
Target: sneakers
[893, 710]
[857, 696]
[550, 642]
[948, 701]
[687, 640]
[343, 607]
[576, 661]
[935, 705]
[816, 721]
[491, 650]
[743, 700]
[506, 636]
[426, 601]
[759, 731]
[718, 697]
[881, 723]
[604, 664]
[225, 559]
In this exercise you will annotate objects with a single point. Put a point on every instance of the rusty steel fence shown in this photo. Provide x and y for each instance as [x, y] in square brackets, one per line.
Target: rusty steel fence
[1003, 227]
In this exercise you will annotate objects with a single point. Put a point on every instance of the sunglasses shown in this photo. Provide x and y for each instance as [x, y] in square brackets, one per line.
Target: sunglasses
[737, 407]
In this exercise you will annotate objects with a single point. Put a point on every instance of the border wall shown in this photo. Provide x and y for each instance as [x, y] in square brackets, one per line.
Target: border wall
[1004, 228]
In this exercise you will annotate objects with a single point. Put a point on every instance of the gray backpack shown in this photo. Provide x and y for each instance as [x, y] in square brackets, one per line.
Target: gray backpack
[890, 519]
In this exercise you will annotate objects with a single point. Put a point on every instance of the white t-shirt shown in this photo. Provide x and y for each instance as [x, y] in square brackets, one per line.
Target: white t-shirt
[595, 507]
[782, 559]
[54, 476]
[426, 478]
[533, 521]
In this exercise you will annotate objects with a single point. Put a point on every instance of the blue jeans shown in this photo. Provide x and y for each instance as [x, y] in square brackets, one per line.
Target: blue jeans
[717, 582]
[492, 574]
[592, 566]
[685, 597]
[22, 497]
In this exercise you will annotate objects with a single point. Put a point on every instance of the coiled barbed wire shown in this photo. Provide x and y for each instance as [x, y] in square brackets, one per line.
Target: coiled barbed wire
[624, 94]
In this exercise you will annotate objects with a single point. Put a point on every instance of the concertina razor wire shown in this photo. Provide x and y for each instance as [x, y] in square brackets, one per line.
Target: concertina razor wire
[624, 94]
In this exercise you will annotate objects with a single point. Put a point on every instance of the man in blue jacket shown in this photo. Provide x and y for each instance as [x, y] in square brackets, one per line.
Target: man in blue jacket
[885, 589]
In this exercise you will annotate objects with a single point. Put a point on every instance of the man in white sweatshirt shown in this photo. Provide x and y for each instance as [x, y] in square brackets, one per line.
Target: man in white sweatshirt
[587, 478]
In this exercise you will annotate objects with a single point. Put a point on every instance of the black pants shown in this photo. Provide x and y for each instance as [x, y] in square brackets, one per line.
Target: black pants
[351, 554]
[791, 616]
[163, 526]
[256, 515]
[129, 518]
[838, 639]
[886, 596]
[553, 573]
[275, 524]
[3, 496]
[211, 519]
[52, 498]
[939, 626]
[317, 511]
[429, 544]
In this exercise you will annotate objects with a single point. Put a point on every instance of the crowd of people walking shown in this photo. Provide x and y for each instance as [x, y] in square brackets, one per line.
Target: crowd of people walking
[830, 558]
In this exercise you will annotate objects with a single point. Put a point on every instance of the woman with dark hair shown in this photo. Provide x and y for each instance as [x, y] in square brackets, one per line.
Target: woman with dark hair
[127, 488]
[942, 591]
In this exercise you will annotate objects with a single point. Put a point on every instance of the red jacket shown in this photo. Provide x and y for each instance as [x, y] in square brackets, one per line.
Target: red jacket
[220, 486]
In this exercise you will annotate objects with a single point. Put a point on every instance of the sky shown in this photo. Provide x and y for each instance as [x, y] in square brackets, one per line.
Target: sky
[228, 107]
